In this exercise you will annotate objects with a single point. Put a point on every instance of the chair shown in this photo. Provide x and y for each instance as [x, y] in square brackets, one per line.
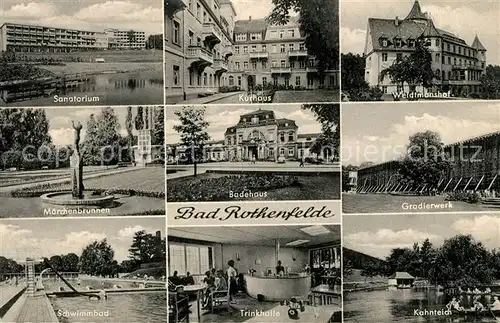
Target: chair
[219, 297]
[178, 311]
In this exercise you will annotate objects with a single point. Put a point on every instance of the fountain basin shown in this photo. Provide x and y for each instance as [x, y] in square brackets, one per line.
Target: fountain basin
[88, 200]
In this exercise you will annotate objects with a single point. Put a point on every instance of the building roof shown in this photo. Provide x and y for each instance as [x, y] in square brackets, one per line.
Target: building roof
[401, 275]
[308, 135]
[286, 124]
[477, 44]
[258, 112]
[430, 30]
[416, 12]
[405, 29]
[250, 26]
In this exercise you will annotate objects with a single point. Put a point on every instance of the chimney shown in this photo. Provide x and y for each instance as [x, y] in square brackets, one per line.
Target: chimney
[396, 21]
[249, 18]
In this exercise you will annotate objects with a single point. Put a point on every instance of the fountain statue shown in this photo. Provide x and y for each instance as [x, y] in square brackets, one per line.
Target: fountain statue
[77, 165]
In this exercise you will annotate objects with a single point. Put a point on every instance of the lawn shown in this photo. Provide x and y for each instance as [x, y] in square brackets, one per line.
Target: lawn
[110, 56]
[216, 187]
[94, 68]
[306, 96]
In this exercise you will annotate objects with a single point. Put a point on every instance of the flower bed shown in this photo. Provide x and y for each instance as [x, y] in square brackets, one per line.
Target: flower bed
[217, 189]
[39, 190]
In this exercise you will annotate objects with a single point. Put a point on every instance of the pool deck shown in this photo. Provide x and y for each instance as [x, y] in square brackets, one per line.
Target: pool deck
[71, 293]
[37, 309]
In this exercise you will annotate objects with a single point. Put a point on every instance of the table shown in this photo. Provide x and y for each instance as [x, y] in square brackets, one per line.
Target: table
[196, 290]
[278, 289]
[325, 293]
[279, 314]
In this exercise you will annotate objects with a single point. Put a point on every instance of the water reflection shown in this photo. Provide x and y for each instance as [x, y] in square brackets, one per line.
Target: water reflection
[111, 89]
[400, 306]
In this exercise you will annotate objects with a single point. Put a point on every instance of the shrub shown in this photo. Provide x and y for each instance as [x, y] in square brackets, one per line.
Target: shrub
[469, 197]
[217, 189]
[226, 89]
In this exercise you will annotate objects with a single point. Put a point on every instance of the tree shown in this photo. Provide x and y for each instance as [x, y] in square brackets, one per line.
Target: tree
[97, 258]
[192, 132]
[370, 270]
[347, 269]
[427, 256]
[490, 82]
[318, 20]
[143, 248]
[425, 161]
[129, 127]
[56, 262]
[328, 115]
[159, 127]
[415, 69]
[139, 119]
[69, 262]
[91, 143]
[462, 261]
[353, 75]
[108, 136]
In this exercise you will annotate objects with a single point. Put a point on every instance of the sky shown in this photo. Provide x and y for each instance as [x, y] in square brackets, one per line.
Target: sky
[463, 18]
[94, 15]
[379, 132]
[61, 130]
[222, 117]
[379, 234]
[45, 238]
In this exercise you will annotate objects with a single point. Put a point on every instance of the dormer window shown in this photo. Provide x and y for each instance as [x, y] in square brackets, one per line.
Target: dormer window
[384, 42]
[244, 119]
[397, 42]
[286, 124]
[411, 42]
[255, 120]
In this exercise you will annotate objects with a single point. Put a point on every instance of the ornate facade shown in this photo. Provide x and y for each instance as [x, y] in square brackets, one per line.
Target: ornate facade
[262, 136]
[458, 66]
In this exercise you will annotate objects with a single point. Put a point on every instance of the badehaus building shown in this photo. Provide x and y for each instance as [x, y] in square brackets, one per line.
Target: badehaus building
[262, 136]
[207, 48]
[475, 166]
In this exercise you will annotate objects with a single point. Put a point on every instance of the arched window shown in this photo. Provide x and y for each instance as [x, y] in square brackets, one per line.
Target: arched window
[449, 75]
[231, 80]
[443, 75]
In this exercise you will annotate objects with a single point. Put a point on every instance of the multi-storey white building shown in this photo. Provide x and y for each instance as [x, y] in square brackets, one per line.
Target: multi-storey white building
[458, 67]
[207, 49]
[29, 38]
[126, 39]
[267, 54]
[198, 42]
[262, 136]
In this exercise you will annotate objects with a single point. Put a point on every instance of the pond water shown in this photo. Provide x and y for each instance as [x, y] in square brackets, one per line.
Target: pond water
[130, 88]
[137, 307]
[400, 305]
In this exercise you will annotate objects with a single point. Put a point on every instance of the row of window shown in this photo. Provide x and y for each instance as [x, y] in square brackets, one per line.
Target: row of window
[205, 79]
[274, 64]
[274, 48]
[398, 42]
[437, 58]
[273, 34]
[256, 135]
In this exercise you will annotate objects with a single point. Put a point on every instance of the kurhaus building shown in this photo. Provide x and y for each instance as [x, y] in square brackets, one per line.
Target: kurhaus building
[207, 49]
[30, 38]
[458, 66]
[475, 166]
[259, 135]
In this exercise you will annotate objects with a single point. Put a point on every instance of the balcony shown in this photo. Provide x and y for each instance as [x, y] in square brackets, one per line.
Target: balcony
[297, 53]
[228, 51]
[281, 70]
[213, 34]
[461, 82]
[259, 55]
[311, 69]
[199, 57]
[220, 66]
[476, 66]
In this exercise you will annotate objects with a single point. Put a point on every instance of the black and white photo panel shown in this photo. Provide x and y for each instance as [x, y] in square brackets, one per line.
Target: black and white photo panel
[421, 157]
[73, 52]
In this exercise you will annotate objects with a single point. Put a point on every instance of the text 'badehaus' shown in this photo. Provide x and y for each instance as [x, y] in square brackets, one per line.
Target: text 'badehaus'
[259, 135]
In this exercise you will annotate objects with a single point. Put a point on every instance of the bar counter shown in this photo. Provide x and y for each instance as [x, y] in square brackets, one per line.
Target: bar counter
[277, 289]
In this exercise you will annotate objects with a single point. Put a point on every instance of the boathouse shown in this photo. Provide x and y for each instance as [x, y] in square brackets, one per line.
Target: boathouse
[400, 278]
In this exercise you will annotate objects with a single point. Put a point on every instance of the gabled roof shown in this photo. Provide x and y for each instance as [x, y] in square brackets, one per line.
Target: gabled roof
[401, 275]
[430, 30]
[477, 44]
[416, 12]
[387, 28]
